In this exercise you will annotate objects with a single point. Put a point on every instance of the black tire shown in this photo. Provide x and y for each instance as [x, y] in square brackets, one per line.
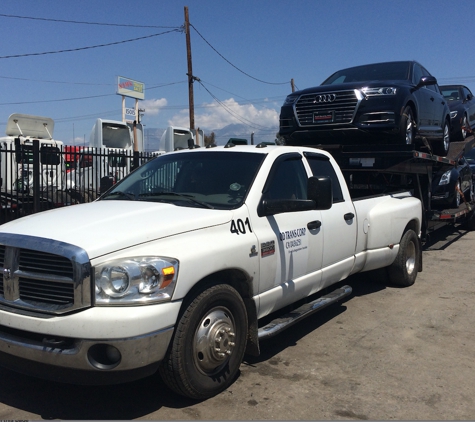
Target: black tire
[470, 223]
[403, 271]
[442, 147]
[470, 196]
[208, 345]
[407, 131]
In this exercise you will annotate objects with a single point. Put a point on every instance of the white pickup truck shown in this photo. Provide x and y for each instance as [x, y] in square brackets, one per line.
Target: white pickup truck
[175, 267]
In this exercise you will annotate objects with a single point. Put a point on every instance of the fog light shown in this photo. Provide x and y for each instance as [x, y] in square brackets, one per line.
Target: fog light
[104, 356]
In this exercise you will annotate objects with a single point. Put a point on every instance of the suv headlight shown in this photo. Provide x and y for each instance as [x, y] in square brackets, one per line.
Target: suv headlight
[385, 90]
[135, 281]
[290, 99]
[445, 179]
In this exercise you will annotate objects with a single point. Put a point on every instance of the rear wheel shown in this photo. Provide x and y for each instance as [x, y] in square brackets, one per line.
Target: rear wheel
[442, 147]
[209, 343]
[403, 271]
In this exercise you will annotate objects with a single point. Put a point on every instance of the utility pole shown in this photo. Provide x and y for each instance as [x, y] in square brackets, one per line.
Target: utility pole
[190, 70]
[292, 85]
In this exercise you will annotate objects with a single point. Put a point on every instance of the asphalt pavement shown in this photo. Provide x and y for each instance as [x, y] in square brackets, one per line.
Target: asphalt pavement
[383, 353]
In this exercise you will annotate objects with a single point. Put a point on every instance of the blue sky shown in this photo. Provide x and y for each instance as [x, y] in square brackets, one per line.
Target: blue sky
[245, 53]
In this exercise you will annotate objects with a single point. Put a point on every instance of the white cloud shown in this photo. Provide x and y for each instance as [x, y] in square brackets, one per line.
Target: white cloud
[153, 107]
[213, 116]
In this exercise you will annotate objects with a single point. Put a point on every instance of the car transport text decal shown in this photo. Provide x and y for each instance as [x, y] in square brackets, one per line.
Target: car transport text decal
[292, 239]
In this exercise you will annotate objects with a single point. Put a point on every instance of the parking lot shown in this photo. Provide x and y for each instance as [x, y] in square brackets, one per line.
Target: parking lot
[384, 353]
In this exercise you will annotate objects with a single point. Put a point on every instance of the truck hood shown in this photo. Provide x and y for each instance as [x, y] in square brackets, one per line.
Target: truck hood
[105, 226]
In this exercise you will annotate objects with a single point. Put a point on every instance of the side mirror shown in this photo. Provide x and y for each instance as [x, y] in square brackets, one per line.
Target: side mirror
[427, 80]
[319, 190]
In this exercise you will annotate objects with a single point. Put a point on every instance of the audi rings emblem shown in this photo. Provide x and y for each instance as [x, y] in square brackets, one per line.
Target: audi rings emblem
[325, 98]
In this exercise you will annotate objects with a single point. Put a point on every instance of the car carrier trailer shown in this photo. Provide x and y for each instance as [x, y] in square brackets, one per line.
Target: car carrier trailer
[391, 168]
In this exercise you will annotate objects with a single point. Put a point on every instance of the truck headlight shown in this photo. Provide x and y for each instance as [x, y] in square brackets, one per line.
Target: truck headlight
[445, 178]
[135, 281]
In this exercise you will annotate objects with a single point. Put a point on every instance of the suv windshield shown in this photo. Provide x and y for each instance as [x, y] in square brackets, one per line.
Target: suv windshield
[208, 179]
[371, 72]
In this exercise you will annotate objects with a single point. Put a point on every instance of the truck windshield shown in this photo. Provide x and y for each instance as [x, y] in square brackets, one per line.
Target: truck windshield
[210, 179]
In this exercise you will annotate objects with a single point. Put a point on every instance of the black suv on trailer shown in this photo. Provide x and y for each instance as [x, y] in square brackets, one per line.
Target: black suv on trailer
[394, 102]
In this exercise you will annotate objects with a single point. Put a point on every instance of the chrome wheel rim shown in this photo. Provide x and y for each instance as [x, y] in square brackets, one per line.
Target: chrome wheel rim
[446, 137]
[464, 126]
[411, 258]
[214, 340]
[409, 129]
[457, 194]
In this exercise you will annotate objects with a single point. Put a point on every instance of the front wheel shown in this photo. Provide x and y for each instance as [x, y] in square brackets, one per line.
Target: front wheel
[403, 271]
[442, 147]
[208, 345]
[407, 129]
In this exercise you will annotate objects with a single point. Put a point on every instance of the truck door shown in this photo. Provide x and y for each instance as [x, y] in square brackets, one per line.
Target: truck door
[339, 226]
[290, 243]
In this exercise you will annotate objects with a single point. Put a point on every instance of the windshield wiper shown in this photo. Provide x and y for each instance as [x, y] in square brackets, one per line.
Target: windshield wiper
[181, 195]
[118, 192]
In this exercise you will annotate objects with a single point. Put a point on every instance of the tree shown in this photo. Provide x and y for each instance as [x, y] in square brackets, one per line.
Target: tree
[210, 139]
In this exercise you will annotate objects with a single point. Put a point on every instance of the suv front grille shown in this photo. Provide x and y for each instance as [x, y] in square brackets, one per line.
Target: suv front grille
[47, 277]
[342, 109]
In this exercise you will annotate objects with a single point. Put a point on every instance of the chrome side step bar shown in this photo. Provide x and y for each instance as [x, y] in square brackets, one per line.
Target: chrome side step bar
[280, 324]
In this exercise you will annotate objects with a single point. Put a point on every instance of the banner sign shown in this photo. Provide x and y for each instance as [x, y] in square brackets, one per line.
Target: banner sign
[130, 88]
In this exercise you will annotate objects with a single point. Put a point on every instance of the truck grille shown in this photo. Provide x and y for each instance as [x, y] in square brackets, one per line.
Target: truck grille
[48, 277]
[342, 108]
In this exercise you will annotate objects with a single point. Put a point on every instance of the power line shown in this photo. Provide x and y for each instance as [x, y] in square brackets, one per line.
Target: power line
[88, 116]
[84, 22]
[256, 101]
[234, 114]
[89, 47]
[242, 71]
[53, 82]
[86, 83]
[55, 101]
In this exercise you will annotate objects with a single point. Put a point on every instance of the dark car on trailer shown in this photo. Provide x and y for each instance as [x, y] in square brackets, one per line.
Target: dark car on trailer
[449, 183]
[382, 103]
[470, 157]
[462, 110]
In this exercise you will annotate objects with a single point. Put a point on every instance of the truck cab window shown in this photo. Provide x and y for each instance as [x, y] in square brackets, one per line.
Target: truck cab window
[288, 180]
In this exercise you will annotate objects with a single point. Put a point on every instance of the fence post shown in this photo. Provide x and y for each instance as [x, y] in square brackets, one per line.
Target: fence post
[36, 175]
[136, 161]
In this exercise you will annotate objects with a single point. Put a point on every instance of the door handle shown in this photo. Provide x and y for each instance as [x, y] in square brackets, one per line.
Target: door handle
[349, 216]
[313, 225]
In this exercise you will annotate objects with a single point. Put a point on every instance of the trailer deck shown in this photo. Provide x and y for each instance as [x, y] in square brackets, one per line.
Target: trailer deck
[393, 168]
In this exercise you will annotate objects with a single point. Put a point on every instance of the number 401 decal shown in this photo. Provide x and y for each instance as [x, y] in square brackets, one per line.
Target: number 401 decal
[239, 226]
